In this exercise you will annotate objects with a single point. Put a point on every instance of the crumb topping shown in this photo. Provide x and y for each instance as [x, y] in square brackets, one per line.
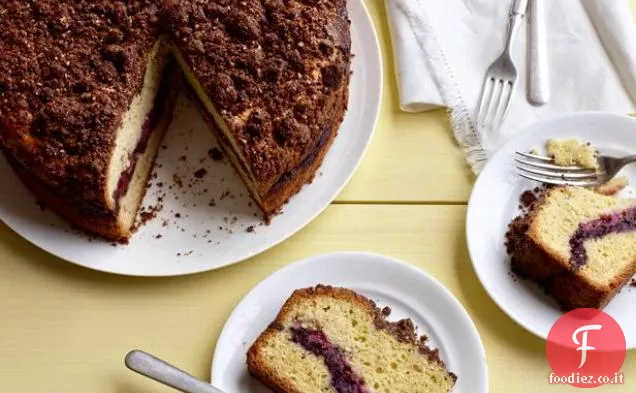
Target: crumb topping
[272, 69]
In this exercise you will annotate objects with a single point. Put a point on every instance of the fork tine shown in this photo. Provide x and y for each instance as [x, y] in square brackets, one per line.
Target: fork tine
[510, 87]
[498, 90]
[534, 156]
[560, 182]
[543, 165]
[560, 175]
[486, 98]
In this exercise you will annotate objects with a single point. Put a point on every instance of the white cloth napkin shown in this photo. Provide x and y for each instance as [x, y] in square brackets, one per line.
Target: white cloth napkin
[442, 49]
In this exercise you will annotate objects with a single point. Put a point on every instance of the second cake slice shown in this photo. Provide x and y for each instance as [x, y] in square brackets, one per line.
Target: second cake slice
[580, 245]
[329, 339]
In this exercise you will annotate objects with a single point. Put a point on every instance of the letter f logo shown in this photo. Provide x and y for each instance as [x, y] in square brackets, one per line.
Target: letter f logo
[583, 344]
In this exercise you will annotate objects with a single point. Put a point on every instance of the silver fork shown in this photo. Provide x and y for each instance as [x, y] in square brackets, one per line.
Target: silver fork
[501, 77]
[541, 169]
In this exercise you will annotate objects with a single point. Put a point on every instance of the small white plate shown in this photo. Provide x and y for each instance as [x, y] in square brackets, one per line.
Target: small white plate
[409, 292]
[188, 235]
[494, 203]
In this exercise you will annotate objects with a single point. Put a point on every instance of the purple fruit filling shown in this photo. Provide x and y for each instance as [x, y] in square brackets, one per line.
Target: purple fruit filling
[343, 378]
[150, 124]
[619, 222]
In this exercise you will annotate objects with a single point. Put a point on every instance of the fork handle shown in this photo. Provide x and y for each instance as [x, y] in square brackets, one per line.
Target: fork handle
[628, 160]
[517, 14]
[539, 88]
[519, 7]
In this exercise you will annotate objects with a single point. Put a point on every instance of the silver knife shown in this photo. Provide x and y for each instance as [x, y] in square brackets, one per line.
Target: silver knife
[539, 78]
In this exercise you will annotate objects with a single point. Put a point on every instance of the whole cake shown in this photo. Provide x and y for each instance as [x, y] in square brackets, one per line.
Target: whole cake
[579, 244]
[87, 90]
[328, 339]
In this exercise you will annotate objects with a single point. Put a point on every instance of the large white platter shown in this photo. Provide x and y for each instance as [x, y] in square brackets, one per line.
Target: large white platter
[208, 237]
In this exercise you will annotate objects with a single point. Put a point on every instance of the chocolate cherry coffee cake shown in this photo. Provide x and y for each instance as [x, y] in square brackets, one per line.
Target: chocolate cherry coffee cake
[87, 90]
[328, 339]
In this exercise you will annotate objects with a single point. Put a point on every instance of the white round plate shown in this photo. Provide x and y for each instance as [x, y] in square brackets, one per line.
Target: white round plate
[409, 292]
[494, 203]
[188, 235]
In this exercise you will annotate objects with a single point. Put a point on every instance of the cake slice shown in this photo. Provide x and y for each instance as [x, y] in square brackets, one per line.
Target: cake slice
[328, 339]
[86, 94]
[580, 245]
[272, 81]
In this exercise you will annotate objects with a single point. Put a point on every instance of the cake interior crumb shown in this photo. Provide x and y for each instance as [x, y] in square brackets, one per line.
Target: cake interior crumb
[571, 152]
[613, 187]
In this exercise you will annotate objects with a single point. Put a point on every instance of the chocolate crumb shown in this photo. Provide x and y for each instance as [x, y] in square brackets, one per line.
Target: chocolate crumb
[528, 198]
[200, 173]
[178, 215]
[216, 154]
[148, 213]
[159, 236]
[250, 229]
[633, 283]
[182, 158]
[177, 180]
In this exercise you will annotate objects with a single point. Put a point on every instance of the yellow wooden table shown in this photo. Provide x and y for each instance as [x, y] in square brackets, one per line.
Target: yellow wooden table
[66, 329]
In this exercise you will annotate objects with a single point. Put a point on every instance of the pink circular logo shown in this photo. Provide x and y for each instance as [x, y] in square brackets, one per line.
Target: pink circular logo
[586, 348]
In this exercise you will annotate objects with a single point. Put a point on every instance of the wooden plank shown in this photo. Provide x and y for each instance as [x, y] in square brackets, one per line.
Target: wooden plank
[66, 328]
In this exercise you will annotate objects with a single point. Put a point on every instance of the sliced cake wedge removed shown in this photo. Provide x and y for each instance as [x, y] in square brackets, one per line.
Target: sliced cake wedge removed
[328, 339]
[580, 245]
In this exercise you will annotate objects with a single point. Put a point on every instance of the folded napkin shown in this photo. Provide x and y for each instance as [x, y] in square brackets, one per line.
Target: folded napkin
[442, 50]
